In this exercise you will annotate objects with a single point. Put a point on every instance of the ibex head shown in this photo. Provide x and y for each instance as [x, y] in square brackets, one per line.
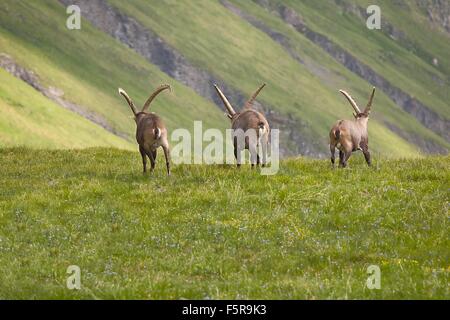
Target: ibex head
[358, 113]
[248, 105]
[146, 104]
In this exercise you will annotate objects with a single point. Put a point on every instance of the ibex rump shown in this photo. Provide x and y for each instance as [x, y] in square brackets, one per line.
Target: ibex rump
[151, 131]
[351, 135]
[250, 123]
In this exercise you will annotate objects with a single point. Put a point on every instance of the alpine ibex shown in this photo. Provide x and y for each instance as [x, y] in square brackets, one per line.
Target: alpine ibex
[351, 135]
[151, 132]
[252, 125]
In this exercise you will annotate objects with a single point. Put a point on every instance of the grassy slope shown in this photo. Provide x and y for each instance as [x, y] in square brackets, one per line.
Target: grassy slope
[28, 118]
[89, 73]
[407, 16]
[244, 57]
[309, 232]
[89, 66]
[380, 52]
[334, 75]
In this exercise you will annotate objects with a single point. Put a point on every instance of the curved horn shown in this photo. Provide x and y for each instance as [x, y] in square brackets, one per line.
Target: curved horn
[250, 101]
[352, 102]
[225, 101]
[130, 102]
[369, 104]
[154, 94]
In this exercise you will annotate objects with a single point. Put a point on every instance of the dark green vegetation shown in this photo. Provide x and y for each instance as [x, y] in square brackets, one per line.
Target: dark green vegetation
[217, 232]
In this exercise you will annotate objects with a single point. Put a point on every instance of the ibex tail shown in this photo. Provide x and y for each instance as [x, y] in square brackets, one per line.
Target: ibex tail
[157, 133]
[337, 134]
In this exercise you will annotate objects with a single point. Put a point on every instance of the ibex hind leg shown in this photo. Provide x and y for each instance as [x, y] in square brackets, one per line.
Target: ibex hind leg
[333, 152]
[264, 147]
[258, 158]
[346, 156]
[167, 156]
[367, 156]
[144, 159]
[260, 151]
[341, 158]
[237, 153]
[253, 155]
[152, 156]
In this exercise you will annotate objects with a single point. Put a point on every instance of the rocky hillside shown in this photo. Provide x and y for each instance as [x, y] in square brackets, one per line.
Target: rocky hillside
[305, 51]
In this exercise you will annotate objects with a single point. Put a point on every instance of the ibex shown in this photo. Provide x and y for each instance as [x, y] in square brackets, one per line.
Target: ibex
[151, 132]
[254, 126]
[351, 135]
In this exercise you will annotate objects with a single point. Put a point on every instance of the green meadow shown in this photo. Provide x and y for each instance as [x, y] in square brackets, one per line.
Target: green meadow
[308, 232]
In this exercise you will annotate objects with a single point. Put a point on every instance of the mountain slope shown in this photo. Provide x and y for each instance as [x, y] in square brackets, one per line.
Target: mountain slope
[393, 65]
[292, 89]
[240, 44]
[29, 119]
[88, 67]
